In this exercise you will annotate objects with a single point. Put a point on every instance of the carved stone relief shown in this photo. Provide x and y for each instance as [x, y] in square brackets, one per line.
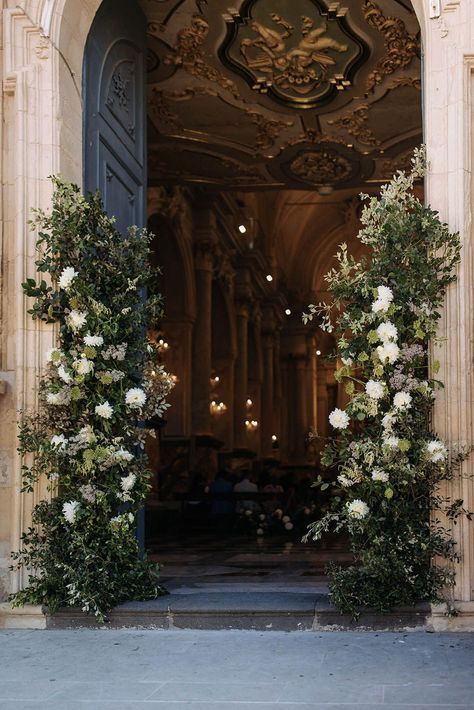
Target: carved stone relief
[322, 167]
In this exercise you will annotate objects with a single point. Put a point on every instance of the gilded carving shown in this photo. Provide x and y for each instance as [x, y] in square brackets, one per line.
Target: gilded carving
[299, 59]
[355, 124]
[268, 130]
[189, 55]
[400, 45]
[322, 167]
[161, 110]
[399, 162]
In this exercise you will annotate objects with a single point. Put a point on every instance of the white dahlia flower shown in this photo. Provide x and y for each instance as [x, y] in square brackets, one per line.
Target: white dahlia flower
[93, 341]
[76, 320]
[339, 419]
[388, 353]
[123, 455]
[436, 451]
[357, 509]
[64, 374]
[375, 389]
[402, 400]
[388, 421]
[67, 277]
[127, 482]
[385, 293]
[135, 397]
[104, 410]
[83, 366]
[70, 510]
[387, 331]
[391, 441]
[378, 475]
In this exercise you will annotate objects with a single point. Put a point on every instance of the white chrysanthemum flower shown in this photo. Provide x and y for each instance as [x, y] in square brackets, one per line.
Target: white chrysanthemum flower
[54, 355]
[357, 509]
[76, 320]
[379, 306]
[391, 441]
[127, 482]
[402, 400]
[93, 341]
[59, 441]
[387, 331]
[64, 374]
[63, 397]
[388, 353]
[67, 277]
[104, 410]
[83, 366]
[375, 389]
[388, 421]
[339, 419]
[345, 481]
[378, 475]
[135, 397]
[385, 293]
[436, 451]
[86, 435]
[347, 361]
[123, 455]
[70, 510]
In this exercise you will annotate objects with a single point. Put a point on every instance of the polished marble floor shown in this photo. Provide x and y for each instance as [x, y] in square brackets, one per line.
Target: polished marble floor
[205, 559]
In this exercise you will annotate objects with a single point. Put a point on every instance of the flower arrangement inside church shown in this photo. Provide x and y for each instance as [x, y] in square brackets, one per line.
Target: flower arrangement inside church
[102, 383]
[388, 461]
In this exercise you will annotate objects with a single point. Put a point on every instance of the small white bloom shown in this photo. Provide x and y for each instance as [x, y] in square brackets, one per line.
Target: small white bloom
[378, 475]
[86, 435]
[285, 519]
[127, 482]
[436, 451]
[70, 510]
[357, 509]
[385, 293]
[104, 410]
[347, 361]
[375, 389]
[345, 481]
[387, 331]
[83, 366]
[54, 398]
[59, 441]
[131, 517]
[123, 455]
[64, 374]
[135, 397]
[259, 531]
[288, 526]
[339, 419]
[379, 306]
[76, 320]
[391, 441]
[388, 352]
[388, 421]
[278, 513]
[67, 277]
[93, 341]
[53, 476]
[402, 400]
[54, 355]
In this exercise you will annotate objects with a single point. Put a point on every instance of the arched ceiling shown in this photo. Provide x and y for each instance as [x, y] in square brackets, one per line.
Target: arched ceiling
[278, 94]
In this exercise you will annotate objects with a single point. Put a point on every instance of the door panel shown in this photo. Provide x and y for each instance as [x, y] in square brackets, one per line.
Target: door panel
[115, 111]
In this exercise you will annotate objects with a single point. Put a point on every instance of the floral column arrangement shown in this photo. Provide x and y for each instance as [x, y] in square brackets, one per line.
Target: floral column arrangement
[101, 381]
[387, 461]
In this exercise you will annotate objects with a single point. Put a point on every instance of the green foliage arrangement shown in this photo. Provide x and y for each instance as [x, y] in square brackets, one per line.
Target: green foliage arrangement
[102, 383]
[388, 462]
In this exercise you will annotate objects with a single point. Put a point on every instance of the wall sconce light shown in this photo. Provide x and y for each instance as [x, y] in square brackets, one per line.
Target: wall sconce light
[242, 228]
[269, 277]
[318, 352]
[251, 424]
[162, 345]
[215, 380]
[249, 402]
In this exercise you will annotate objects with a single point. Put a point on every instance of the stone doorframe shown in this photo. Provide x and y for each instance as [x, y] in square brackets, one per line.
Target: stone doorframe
[43, 46]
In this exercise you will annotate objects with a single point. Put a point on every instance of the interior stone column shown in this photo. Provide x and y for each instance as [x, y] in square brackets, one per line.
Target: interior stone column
[204, 248]
[301, 406]
[268, 410]
[241, 374]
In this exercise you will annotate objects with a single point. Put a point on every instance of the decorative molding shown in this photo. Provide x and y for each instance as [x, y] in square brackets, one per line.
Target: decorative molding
[355, 124]
[268, 130]
[188, 55]
[322, 167]
[400, 45]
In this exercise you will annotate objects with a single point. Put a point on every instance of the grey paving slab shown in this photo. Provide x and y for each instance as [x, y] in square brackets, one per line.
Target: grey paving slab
[119, 690]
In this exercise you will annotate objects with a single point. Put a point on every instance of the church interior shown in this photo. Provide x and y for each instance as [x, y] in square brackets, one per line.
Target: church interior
[265, 123]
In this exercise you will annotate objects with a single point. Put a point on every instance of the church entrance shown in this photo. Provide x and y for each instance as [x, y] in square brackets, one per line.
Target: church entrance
[244, 140]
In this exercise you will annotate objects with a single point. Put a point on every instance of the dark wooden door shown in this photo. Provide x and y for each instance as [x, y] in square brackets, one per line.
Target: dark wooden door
[114, 84]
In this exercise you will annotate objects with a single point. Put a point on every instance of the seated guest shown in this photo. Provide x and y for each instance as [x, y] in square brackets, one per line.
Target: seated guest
[246, 485]
[221, 485]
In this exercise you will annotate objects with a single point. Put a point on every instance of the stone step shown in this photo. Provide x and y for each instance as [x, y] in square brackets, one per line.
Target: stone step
[270, 611]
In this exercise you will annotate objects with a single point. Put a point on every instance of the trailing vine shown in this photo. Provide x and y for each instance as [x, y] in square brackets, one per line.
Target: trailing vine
[386, 461]
[101, 384]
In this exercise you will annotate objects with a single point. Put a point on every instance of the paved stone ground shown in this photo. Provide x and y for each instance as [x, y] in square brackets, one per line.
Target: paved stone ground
[241, 670]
